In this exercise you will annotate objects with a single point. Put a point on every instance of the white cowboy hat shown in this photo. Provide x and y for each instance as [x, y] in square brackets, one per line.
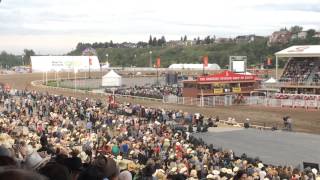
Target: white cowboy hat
[260, 165]
[229, 171]
[314, 171]
[216, 172]
[183, 170]
[193, 173]
[210, 176]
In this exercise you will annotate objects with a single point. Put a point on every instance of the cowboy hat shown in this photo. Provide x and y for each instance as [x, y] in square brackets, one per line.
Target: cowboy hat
[193, 173]
[122, 165]
[210, 176]
[132, 166]
[216, 172]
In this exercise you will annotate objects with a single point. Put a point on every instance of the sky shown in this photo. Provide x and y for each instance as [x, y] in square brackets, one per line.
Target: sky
[56, 26]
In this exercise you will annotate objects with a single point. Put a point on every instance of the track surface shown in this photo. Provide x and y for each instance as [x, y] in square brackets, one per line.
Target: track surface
[272, 147]
[303, 120]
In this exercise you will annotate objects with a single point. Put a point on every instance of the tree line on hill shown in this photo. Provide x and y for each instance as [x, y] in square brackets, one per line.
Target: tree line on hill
[8, 60]
[137, 54]
[257, 51]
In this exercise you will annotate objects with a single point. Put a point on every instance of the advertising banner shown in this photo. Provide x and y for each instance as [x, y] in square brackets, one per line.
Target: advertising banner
[236, 89]
[218, 91]
[64, 63]
[226, 76]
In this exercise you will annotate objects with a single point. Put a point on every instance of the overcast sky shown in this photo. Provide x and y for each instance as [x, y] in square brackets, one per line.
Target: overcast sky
[56, 26]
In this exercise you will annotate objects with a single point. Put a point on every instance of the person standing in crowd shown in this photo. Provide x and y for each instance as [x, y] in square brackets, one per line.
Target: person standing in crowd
[121, 142]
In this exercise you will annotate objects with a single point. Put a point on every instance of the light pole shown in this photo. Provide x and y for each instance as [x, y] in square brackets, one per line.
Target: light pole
[150, 60]
[107, 55]
[90, 62]
[75, 79]
[134, 60]
[22, 60]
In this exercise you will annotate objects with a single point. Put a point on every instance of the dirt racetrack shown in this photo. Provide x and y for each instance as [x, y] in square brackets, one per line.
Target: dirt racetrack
[303, 120]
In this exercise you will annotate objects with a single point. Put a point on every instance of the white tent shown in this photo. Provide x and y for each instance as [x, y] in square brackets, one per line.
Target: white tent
[111, 79]
[300, 51]
[271, 80]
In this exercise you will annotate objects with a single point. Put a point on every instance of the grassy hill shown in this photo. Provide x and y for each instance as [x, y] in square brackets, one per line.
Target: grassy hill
[257, 53]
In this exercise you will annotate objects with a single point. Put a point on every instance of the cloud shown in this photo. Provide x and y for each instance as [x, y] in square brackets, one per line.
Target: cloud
[305, 7]
[41, 22]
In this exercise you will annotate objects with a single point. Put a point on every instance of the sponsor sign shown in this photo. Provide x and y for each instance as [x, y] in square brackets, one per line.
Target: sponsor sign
[218, 91]
[236, 89]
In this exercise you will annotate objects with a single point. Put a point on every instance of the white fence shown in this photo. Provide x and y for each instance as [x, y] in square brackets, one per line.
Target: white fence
[203, 102]
[293, 103]
[213, 101]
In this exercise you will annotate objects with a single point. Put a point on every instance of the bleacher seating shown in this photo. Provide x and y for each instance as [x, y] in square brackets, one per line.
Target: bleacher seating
[301, 71]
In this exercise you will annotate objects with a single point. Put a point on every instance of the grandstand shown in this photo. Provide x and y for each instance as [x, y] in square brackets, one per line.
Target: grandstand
[301, 73]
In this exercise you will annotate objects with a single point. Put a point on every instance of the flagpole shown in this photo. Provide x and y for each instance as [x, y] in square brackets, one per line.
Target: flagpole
[157, 76]
[203, 69]
[157, 66]
[75, 82]
[89, 67]
[89, 72]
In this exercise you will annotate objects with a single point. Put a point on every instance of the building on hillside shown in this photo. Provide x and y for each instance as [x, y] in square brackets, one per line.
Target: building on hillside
[178, 43]
[128, 45]
[223, 40]
[316, 35]
[247, 38]
[280, 37]
[299, 35]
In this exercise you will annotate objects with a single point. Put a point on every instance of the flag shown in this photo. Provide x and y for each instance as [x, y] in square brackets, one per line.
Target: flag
[205, 61]
[158, 62]
[269, 61]
[90, 61]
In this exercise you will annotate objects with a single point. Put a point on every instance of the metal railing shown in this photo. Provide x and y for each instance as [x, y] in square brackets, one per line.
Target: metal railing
[210, 101]
[213, 101]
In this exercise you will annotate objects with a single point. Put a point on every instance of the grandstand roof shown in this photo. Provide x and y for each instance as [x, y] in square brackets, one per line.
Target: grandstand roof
[300, 51]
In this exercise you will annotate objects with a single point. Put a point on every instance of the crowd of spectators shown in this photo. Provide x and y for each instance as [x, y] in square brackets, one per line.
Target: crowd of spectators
[149, 91]
[316, 77]
[297, 71]
[63, 138]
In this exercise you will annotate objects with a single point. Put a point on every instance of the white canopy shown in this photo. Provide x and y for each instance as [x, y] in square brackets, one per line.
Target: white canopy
[271, 80]
[300, 51]
[111, 79]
